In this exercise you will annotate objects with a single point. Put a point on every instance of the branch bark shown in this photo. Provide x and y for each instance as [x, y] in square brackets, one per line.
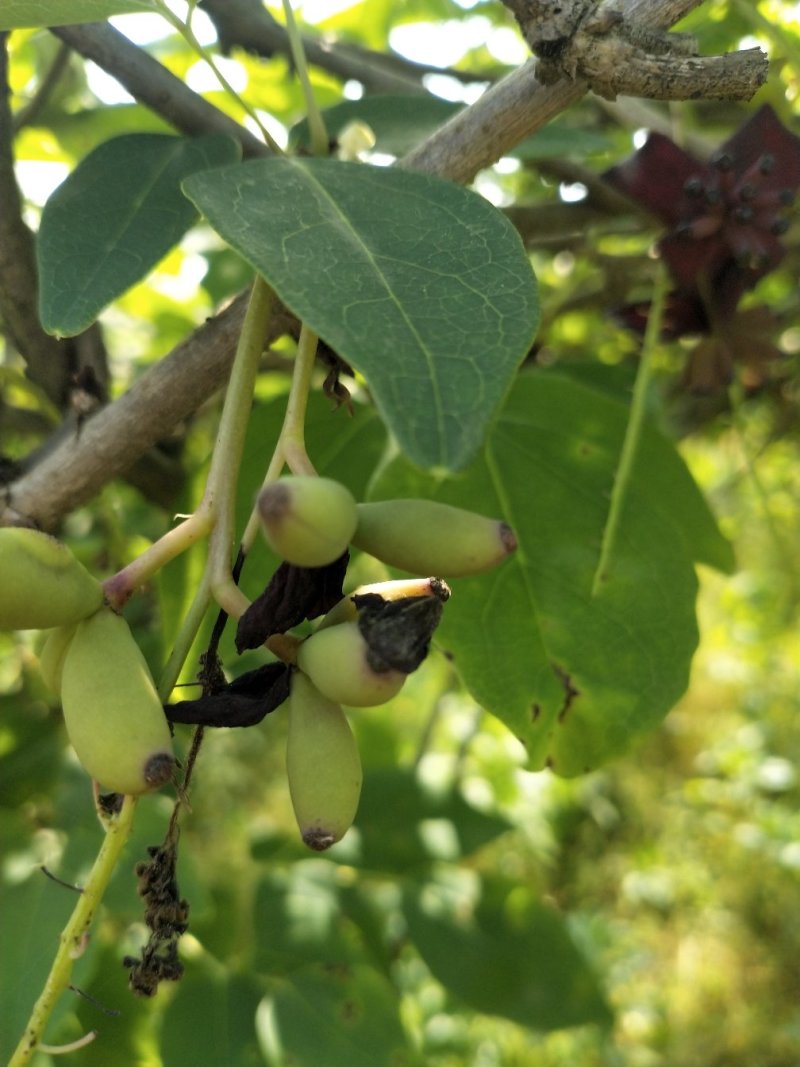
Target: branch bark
[153, 85]
[507, 113]
[247, 24]
[47, 359]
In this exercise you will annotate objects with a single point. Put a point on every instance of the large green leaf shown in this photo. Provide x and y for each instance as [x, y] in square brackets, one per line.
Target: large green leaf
[114, 218]
[402, 824]
[421, 285]
[503, 958]
[211, 1019]
[16, 13]
[576, 676]
[32, 915]
[339, 1016]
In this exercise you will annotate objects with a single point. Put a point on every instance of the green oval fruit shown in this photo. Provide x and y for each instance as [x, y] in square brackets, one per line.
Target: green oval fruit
[43, 584]
[51, 658]
[335, 659]
[400, 589]
[428, 537]
[322, 764]
[114, 717]
[307, 520]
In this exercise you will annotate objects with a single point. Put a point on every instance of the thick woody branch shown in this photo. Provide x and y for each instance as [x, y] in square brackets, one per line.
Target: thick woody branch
[247, 24]
[113, 439]
[46, 358]
[153, 85]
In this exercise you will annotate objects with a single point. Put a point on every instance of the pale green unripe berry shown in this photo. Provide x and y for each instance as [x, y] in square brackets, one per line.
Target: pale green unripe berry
[307, 520]
[427, 537]
[113, 714]
[51, 658]
[41, 583]
[322, 765]
[335, 659]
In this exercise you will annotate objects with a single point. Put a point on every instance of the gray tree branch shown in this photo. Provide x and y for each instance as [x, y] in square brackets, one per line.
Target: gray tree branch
[247, 24]
[153, 85]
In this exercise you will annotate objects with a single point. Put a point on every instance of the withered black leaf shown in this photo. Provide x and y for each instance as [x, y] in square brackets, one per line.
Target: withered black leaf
[244, 702]
[292, 595]
[398, 632]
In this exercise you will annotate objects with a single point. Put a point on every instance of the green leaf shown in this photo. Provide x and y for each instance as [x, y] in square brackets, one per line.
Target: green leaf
[32, 915]
[114, 218]
[421, 285]
[299, 919]
[503, 958]
[557, 141]
[336, 1016]
[17, 13]
[403, 824]
[576, 677]
[211, 1020]
[398, 120]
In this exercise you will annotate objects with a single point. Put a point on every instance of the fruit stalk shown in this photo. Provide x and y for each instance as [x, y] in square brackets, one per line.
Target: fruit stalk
[71, 942]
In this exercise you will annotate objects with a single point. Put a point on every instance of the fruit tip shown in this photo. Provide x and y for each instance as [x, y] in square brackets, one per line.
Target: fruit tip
[158, 769]
[274, 501]
[318, 839]
[508, 538]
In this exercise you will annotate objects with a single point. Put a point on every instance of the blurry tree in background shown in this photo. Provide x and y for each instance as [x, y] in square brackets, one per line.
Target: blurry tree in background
[533, 300]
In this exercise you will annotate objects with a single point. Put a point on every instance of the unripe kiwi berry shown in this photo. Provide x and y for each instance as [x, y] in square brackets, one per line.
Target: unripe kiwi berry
[428, 537]
[43, 584]
[307, 521]
[335, 659]
[323, 766]
[51, 658]
[113, 714]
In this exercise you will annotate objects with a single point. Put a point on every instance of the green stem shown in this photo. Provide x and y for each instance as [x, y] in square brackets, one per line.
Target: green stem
[186, 31]
[120, 586]
[192, 621]
[291, 446]
[633, 432]
[316, 124]
[220, 494]
[71, 943]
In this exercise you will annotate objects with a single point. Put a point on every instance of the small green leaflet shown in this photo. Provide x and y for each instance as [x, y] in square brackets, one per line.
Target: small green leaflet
[421, 285]
[17, 13]
[118, 213]
[577, 678]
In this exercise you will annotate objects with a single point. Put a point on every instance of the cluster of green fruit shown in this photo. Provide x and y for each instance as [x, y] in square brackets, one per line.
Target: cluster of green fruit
[113, 714]
[360, 655]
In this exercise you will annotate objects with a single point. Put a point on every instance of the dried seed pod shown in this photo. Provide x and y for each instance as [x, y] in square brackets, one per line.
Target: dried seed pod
[307, 520]
[336, 660]
[322, 764]
[43, 584]
[428, 537]
[112, 712]
[346, 609]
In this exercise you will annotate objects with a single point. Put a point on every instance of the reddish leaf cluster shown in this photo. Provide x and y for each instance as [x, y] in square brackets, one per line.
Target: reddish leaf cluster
[725, 219]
